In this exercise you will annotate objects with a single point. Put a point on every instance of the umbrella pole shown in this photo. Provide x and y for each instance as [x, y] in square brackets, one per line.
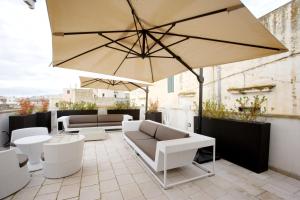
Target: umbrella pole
[146, 104]
[200, 100]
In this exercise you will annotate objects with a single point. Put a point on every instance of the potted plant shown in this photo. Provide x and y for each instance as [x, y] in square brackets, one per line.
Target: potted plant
[240, 137]
[24, 118]
[152, 113]
[125, 107]
[43, 116]
[78, 108]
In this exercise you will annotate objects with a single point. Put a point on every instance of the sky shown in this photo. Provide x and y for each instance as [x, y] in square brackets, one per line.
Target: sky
[25, 49]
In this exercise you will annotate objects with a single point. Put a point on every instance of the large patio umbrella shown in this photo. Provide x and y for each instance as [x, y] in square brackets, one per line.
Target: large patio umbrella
[150, 40]
[110, 84]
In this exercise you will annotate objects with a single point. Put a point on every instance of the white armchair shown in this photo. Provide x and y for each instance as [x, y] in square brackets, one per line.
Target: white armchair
[26, 132]
[13, 174]
[63, 159]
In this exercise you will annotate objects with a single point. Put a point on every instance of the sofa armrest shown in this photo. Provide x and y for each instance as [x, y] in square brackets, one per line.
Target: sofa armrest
[127, 117]
[65, 121]
[195, 141]
[131, 125]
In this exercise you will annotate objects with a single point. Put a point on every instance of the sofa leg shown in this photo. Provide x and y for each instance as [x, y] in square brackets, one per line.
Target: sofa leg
[165, 171]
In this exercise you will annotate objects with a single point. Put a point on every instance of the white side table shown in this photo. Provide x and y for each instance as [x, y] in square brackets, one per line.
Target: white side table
[32, 146]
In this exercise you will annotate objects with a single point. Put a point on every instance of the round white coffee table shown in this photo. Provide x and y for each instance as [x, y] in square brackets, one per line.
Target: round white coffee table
[32, 146]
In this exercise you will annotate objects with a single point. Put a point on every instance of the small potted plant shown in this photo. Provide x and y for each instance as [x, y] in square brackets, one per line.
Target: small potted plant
[153, 113]
[24, 118]
[43, 116]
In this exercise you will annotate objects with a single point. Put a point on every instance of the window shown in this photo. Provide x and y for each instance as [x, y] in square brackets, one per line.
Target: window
[171, 84]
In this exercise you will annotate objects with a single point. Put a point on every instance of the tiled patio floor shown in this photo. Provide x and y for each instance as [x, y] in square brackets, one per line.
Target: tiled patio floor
[110, 171]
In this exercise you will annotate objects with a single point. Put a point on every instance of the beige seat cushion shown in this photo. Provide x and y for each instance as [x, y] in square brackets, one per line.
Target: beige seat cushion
[110, 118]
[81, 125]
[137, 135]
[148, 127]
[23, 159]
[77, 119]
[110, 124]
[148, 146]
[166, 133]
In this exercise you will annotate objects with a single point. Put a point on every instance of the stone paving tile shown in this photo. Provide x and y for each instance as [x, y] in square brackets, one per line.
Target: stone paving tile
[90, 193]
[68, 191]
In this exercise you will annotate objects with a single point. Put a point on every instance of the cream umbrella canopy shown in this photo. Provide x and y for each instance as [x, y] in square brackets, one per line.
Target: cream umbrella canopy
[110, 84]
[150, 40]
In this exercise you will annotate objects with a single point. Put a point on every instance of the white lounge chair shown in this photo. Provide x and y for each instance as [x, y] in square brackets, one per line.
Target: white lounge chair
[169, 153]
[64, 158]
[13, 172]
[26, 132]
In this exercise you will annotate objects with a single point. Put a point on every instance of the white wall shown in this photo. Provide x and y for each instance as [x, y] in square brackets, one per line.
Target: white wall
[285, 145]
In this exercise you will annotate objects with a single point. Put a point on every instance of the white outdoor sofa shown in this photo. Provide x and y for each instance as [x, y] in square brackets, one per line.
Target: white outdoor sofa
[78, 122]
[162, 148]
[63, 158]
[14, 174]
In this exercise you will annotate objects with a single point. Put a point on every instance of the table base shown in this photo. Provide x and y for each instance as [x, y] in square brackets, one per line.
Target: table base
[34, 167]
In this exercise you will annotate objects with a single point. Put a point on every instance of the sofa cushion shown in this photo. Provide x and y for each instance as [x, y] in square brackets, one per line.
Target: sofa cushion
[110, 124]
[148, 146]
[77, 119]
[148, 127]
[166, 133]
[110, 118]
[81, 125]
[137, 135]
[23, 159]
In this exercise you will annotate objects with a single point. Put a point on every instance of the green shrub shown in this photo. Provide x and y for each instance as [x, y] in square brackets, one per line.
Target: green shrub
[64, 105]
[246, 110]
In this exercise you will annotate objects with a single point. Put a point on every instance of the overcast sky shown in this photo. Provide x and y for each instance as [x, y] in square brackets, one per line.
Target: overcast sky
[25, 49]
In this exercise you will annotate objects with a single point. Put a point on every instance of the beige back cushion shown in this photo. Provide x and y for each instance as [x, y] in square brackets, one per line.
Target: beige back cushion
[148, 127]
[110, 118]
[166, 133]
[77, 119]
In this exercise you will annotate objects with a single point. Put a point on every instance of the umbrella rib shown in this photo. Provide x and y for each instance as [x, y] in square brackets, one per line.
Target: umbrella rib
[121, 50]
[126, 86]
[179, 41]
[126, 56]
[134, 13]
[220, 41]
[90, 82]
[228, 9]
[93, 49]
[134, 20]
[150, 62]
[136, 85]
[119, 44]
[151, 57]
[161, 37]
[91, 32]
[173, 54]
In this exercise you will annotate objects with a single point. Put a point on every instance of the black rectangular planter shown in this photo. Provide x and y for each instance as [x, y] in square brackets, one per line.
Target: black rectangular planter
[135, 113]
[76, 112]
[154, 116]
[43, 119]
[20, 121]
[243, 143]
